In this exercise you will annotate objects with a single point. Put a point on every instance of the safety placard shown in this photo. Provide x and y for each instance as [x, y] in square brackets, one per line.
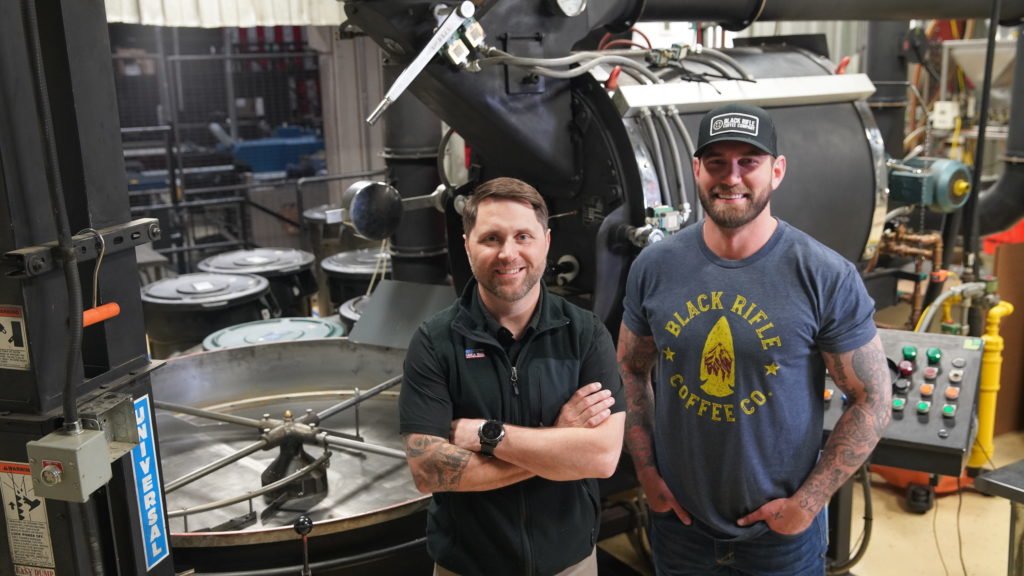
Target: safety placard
[13, 341]
[28, 529]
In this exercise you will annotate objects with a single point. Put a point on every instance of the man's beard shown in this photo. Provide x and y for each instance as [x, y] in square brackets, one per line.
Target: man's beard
[732, 217]
[511, 293]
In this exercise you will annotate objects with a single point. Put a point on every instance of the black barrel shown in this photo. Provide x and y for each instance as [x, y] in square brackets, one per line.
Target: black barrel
[181, 311]
[289, 271]
[273, 330]
[349, 273]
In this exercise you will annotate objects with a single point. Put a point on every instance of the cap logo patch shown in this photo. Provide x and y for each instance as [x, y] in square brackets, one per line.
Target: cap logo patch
[734, 122]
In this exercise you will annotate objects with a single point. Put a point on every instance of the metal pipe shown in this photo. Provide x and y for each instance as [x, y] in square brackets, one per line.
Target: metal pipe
[252, 493]
[1002, 204]
[211, 415]
[69, 260]
[337, 442]
[214, 466]
[991, 368]
[972, 241]
[411, 136]
[389, 383]
[740, 11]
[887, 68]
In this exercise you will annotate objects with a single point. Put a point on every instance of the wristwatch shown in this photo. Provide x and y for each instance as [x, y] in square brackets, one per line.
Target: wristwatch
[491, 432]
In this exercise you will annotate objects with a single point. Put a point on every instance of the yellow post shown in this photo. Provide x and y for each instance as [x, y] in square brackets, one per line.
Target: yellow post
[991, 366]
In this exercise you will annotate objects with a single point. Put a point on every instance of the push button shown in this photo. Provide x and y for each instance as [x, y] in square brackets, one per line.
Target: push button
[829, 393]
[958, 362]
[931, 372]
[927, 389]
[910, 353]
[898, 404]
[956, 376]
[952, 393]
[934, 355]
[901, 385]
[923, 407]
[949, 410]
[906, 368]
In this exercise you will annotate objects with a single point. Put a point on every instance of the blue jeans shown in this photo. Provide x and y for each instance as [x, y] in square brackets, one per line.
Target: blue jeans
[681, 550]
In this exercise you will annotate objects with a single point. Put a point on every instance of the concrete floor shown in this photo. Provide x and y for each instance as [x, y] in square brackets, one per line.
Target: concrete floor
[905, 543]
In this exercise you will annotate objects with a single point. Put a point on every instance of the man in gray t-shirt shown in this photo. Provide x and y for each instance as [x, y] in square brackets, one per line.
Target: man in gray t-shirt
[742, 313]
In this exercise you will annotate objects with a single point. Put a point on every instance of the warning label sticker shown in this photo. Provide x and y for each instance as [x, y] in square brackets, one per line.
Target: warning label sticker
[33, 571]
[13, 339]
[28, 529]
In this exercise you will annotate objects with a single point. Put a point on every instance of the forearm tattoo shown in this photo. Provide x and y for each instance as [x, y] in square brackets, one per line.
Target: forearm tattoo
[863, 375]
[636, 358]
[436, 463]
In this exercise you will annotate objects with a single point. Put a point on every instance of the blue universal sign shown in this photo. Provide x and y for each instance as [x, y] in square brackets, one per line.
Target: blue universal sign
[147, 487]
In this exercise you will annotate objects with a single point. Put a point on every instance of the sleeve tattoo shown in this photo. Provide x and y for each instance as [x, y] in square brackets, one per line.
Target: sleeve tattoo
[637, 355]
[436, 463]
[863, 375]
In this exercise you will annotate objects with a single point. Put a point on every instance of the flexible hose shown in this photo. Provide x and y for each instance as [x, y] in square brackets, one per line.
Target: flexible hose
[710, 63]
[67, 249]
[935, 306]
[690, 150]
[659, 159]
[680, 200]
[722, 56]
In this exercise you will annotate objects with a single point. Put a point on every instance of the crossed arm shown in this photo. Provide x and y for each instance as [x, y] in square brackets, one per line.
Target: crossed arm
[584, 443]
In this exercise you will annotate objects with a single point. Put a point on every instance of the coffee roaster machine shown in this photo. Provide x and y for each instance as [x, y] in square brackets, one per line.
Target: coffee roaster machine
[277, 456]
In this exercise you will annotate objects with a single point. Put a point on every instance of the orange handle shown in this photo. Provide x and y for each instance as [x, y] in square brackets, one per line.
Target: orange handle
[100, 313]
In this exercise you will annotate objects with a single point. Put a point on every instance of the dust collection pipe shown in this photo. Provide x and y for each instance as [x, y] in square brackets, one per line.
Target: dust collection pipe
[739, 13]
[887, 68]
[411, 135]
[1002, 204]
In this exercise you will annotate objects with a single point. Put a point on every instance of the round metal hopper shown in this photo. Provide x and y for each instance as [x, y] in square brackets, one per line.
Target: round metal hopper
[219, 410]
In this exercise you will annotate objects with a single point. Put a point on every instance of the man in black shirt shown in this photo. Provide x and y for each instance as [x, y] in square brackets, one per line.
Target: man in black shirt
[511, 405]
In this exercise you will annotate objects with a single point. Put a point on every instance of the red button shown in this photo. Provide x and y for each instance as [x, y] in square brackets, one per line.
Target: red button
[906, 368]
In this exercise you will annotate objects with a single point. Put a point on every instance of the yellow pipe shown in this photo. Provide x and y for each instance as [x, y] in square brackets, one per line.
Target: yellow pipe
[991, 366]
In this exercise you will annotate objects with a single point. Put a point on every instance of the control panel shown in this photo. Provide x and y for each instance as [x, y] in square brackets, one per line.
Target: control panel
[935, 381]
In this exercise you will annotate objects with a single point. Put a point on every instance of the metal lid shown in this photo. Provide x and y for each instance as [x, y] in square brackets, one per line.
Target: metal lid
[361, 262]
[263, 261]
[352, 310]
[205, 290]
[274, 330]
[319, 213]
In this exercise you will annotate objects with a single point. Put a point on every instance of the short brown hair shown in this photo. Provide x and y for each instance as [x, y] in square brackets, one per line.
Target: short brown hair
[504, 189]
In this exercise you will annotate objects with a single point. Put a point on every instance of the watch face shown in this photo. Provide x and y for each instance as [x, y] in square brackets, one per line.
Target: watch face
[491, 430]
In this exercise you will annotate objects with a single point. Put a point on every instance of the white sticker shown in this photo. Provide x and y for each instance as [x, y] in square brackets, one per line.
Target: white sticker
[13, 339]
[20, 570]
[28, 529]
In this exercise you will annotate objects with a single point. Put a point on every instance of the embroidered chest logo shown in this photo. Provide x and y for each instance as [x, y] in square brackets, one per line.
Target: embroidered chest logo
[720, 367]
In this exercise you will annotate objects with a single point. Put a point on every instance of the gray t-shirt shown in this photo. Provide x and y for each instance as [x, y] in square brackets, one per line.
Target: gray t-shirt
[739, 381]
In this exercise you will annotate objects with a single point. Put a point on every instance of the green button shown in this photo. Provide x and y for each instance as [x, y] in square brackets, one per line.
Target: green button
[934, 355]
[923, 406]
[949, 410]
[910, 353]
[899, 404]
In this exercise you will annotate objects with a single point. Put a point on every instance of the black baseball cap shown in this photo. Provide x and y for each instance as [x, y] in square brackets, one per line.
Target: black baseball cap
[738, 123]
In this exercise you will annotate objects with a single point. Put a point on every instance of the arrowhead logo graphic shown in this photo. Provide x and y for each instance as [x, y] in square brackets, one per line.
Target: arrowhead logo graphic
[718, 362]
